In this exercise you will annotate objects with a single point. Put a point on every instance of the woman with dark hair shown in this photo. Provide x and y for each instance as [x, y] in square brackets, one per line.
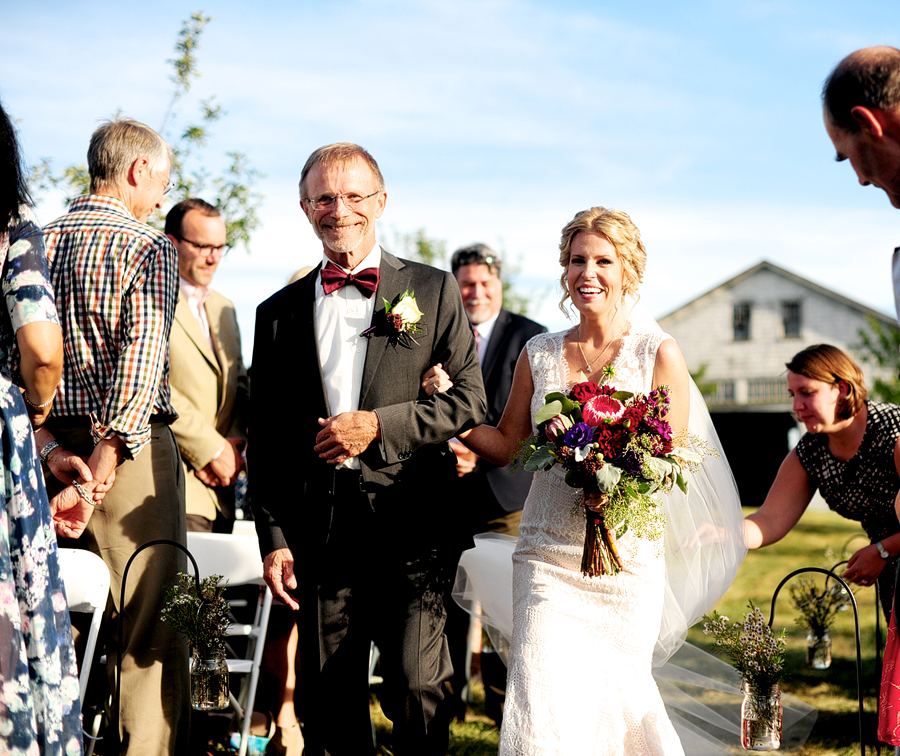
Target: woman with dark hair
[850, 453]
[39, 693]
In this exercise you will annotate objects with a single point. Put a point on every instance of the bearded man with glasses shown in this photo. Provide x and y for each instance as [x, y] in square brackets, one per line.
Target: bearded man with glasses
[351, 468]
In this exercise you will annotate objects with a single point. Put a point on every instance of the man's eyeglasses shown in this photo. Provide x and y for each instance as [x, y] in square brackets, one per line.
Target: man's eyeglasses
[208, 249]
[351, 201]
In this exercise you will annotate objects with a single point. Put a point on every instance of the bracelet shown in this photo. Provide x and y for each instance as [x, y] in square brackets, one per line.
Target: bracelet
[83, 494]
[45, 452]
[38, 406]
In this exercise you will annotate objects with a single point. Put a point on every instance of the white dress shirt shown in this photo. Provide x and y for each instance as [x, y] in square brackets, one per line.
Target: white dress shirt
[196, 297]
[484, 331]
[340, 319]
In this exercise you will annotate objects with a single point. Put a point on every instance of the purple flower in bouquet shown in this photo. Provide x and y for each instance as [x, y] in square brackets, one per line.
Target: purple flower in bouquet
[659, 427]
[661, 435]
[629, 461]
[579, 435]
[660, 395]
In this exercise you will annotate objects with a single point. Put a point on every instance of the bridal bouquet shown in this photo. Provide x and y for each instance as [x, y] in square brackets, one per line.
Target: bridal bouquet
[619, 445]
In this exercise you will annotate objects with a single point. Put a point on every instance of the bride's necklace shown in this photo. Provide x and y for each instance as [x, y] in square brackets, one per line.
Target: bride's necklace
[588, 366]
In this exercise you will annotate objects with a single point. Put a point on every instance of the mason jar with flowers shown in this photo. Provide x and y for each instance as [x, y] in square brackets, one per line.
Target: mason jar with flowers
[758, 654]
[818, 610]
[198, 610]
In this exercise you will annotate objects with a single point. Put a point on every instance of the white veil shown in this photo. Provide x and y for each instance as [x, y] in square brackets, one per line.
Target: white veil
[704, 547]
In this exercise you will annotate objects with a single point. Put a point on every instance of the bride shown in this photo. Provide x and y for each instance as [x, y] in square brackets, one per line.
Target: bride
[582, 649]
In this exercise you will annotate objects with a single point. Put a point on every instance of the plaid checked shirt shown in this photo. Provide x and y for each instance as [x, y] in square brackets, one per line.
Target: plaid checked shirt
[116, 284]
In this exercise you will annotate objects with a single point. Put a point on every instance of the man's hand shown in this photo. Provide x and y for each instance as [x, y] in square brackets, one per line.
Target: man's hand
[70, 512]
[278, 570]
[229, 463]
[466, 459]
[101, 489]
[223, 469]
[67, 466]
[346, 435]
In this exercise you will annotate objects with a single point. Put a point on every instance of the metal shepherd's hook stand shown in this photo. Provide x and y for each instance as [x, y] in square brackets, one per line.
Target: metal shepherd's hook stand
[879, 640]
[839, 579]
[147, 545]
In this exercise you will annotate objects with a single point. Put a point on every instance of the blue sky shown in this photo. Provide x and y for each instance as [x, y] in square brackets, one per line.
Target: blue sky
[496, 121]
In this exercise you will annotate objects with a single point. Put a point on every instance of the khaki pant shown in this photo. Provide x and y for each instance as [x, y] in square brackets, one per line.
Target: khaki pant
[146, 503]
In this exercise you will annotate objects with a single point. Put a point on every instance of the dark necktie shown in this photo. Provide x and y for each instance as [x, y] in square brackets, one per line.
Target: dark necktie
[333, 278]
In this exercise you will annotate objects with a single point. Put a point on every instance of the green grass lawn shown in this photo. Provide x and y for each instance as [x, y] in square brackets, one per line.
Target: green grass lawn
[833, 691]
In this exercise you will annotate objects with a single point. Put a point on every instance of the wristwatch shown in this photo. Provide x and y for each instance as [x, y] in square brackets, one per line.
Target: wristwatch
[883, 551]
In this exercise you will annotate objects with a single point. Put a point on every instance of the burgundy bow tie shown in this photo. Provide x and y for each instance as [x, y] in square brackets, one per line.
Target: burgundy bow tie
[333, 278]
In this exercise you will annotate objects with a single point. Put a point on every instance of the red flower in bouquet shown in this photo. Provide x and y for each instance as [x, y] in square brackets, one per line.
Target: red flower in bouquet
[600, 409]
[611, 440]
[634, 415]
[581, 392]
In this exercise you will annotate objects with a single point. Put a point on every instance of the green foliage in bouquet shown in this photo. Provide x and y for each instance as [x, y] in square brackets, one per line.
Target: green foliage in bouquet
[751, 646]
[202, 617]
[817, 610]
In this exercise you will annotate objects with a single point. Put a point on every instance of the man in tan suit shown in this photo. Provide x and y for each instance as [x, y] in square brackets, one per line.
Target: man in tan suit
[210, 390]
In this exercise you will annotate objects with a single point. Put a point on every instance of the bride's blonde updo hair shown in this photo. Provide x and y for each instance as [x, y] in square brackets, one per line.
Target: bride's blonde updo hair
[618, 229]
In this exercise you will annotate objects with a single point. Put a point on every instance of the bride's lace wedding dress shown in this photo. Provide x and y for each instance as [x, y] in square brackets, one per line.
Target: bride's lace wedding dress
[580, 678]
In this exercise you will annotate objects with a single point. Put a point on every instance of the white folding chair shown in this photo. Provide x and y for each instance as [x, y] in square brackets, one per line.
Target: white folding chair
[86, 578]
[237, 559]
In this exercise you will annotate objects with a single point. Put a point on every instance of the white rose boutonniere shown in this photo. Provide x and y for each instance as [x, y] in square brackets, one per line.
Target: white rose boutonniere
[407, 311]
[399, 320]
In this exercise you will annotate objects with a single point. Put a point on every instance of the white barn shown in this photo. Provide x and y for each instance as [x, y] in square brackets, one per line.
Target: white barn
[737, 337]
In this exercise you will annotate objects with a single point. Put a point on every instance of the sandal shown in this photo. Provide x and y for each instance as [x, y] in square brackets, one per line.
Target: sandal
[262, 724]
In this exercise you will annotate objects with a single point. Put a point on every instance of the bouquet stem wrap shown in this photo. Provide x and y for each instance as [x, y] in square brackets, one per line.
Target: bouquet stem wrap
[600, 556]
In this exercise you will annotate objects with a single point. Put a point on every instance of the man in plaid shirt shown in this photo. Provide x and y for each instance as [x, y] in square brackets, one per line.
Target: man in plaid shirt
[116, 284]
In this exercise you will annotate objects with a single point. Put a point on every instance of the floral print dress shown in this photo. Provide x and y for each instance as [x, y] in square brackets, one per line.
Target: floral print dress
[40, 711]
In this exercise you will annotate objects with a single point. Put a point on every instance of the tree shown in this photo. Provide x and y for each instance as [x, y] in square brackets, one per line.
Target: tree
[881, 347]
[707, 388]
[231, 190]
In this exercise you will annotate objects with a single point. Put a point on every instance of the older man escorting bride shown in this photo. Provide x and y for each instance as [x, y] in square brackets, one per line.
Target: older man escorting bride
[582, 649]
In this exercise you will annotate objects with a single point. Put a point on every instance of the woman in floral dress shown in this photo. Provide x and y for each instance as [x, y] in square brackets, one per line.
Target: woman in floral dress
[39, 696]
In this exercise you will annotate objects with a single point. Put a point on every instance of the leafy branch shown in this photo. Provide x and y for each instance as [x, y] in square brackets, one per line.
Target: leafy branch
[881, 346]
[233, 188]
